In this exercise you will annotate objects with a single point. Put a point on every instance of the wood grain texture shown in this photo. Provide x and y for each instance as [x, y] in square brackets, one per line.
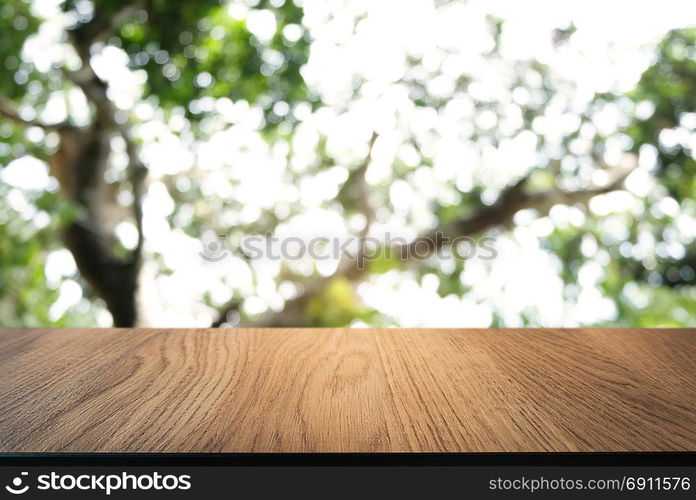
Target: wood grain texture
[347, 390]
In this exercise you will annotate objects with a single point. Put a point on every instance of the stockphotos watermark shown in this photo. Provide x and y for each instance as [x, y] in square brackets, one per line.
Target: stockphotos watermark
[99, 483]
[217, 247]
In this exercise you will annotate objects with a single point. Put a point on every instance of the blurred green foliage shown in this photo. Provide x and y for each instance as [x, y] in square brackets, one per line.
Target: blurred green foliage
[16, 24]
[194, 53]
[192, 50]
[26, 293]
[664, 285]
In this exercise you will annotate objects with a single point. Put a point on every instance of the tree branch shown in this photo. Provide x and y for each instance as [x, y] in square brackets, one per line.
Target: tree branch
[512, 200]
[355, 188]
[9, 110]
[103, 25]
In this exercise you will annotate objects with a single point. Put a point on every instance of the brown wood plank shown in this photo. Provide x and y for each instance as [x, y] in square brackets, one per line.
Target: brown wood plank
[347, 390]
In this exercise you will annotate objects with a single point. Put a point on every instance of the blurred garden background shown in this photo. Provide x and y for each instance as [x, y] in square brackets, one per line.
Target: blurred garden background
[140, 140]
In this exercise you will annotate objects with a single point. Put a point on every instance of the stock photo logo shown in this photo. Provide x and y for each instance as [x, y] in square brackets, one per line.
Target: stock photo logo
[213, 247]
[216, 247]
[17, 486]
[105, 484]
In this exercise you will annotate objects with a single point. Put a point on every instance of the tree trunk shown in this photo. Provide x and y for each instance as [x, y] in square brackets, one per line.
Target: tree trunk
[79, 165]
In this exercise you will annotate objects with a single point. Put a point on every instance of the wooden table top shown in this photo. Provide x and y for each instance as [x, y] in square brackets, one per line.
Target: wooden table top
[164, 390]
